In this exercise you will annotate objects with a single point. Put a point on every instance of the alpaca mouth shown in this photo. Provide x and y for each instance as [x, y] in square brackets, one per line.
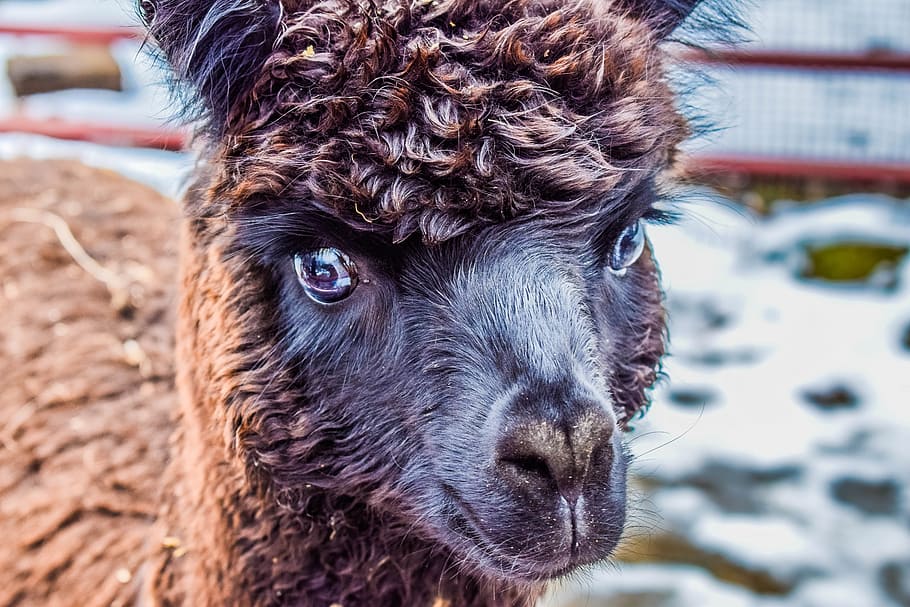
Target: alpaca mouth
[479, 548]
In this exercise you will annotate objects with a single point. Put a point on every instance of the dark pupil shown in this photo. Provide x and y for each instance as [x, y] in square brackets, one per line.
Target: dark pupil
[625, 248]
[325, 275]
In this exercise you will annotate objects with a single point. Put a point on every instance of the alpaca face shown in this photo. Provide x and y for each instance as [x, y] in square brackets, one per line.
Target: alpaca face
[479, 385]
[435, 212]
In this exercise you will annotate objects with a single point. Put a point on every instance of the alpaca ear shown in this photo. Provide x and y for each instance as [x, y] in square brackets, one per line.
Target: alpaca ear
[663, 16]
[215, 48]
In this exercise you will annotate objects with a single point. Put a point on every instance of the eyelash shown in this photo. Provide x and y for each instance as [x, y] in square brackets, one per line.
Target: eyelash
[660, 217]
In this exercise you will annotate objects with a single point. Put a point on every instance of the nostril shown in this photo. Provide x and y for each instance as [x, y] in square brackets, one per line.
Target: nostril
[542, 451]
[531, 465]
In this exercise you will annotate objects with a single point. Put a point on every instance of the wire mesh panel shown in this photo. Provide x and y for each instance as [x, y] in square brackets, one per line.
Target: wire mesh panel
[831, 25]
[860, 116]
[822, 83]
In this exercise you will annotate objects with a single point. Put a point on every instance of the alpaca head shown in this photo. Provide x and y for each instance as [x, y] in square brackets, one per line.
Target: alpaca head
[420, 228]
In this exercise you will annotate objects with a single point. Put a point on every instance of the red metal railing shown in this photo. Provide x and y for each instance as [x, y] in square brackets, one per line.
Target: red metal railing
[104, 134]
[706, 165]
[859, 61]
[76, 35]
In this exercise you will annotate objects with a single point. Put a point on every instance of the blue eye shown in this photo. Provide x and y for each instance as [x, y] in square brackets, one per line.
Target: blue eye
[627, 248]
[327, 275]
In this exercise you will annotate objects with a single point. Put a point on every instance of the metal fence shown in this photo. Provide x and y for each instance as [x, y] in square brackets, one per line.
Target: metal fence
[822, 90]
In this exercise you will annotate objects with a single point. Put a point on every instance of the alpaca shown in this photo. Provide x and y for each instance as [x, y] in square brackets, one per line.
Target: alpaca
[416, 309]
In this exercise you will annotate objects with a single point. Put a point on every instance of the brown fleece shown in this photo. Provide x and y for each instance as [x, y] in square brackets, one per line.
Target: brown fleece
[88, 388]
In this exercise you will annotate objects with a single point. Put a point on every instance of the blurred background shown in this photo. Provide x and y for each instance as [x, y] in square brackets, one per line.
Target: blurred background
[774, 466]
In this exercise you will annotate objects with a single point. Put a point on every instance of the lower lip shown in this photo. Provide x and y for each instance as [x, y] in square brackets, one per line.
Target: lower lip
[463, 523]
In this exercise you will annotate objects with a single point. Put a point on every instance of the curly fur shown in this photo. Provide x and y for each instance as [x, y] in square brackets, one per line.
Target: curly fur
[444, 116]
[478, 161]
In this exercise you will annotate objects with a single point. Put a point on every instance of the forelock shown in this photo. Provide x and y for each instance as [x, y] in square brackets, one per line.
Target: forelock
[439, 116]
